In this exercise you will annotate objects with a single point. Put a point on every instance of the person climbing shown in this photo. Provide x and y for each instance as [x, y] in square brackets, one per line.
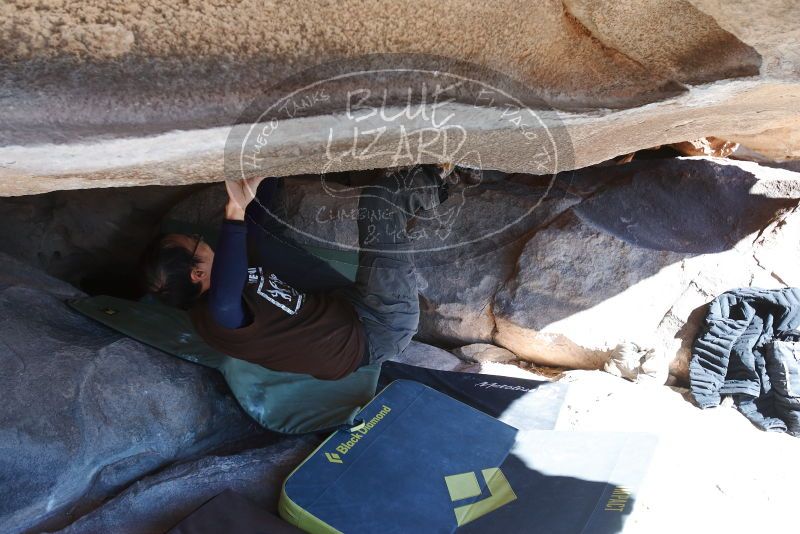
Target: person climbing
[287, 310]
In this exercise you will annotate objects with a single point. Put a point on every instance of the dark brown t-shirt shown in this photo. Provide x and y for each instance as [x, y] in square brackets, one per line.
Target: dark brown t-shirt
[316, 334]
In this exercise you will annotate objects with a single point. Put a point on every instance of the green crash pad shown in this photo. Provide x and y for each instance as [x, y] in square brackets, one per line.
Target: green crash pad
[289, 403]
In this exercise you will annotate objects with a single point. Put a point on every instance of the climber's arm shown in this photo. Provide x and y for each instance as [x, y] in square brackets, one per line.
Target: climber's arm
[229, 270]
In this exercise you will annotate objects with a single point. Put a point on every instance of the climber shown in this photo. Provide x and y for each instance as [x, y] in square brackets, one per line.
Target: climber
[288, 310]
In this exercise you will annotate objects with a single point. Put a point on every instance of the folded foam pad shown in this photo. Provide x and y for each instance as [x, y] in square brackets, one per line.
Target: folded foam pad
[424, 462]
[521, 402]
[415, 452]
[289, 403]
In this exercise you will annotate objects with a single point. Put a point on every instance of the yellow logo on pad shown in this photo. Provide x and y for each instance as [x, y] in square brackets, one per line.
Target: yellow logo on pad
[333, 457]
[466, 486]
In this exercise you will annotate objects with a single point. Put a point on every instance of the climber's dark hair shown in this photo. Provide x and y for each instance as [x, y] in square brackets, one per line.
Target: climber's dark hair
[166, 273]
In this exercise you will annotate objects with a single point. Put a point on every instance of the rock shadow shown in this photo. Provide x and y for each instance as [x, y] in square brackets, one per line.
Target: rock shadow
[635, 220]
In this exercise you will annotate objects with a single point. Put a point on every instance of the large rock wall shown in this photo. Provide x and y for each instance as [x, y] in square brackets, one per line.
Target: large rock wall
[93, 241]
[618, 253]
[115, 94]
[86, 411]
[557, 271]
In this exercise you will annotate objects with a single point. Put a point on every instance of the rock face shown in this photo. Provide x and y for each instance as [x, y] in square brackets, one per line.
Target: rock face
[556, 271]
[141, 509]
[484, 352]
[610, 254]
[86, 412]
[639, 259]
[91, 241]
[98, 432]
[107, 95]
[423, 355]
[101, 434]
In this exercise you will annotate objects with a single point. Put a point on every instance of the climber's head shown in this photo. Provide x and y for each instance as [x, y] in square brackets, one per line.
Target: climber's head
[176, 268]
